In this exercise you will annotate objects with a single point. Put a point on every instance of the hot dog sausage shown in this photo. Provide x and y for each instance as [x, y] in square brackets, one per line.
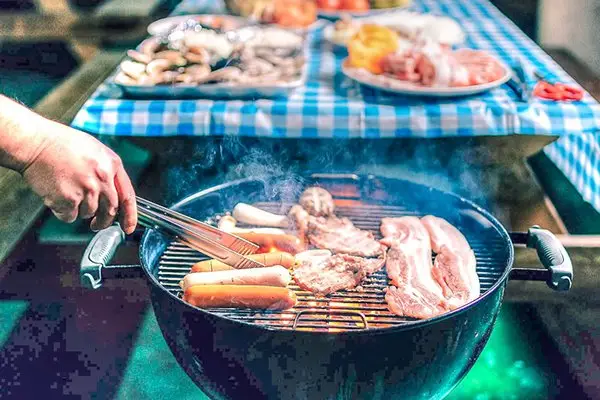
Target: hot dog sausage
[268, 276]
[238, 296]
[268, 259]
[228, 224]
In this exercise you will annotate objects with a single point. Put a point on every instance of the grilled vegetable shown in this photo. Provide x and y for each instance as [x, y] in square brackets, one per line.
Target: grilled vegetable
[269, 276]
[370, 44]
[268, 259]
[239, 296]
[270, 243]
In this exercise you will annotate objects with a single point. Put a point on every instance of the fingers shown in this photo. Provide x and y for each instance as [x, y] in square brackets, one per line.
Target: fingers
[108, 203]
[66, 216]
[127, 203]
[89, 205]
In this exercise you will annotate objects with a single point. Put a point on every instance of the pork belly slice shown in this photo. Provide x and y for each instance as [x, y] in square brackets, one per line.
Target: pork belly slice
[455, 266]
[407, 301]
[415, 293]
[323, 275]
[403, 228]
[341, 236]
[453, 272]
[442, 233]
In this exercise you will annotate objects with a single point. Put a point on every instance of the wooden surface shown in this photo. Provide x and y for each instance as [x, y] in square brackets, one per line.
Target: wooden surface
[19, 207]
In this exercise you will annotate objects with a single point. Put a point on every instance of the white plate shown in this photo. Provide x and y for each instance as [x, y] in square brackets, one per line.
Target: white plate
[335, 15]
[392, 85]
[163, 26]
[409, 23]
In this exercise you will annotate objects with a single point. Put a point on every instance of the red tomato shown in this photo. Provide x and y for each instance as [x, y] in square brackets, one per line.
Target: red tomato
[329, 4]
[355, 5]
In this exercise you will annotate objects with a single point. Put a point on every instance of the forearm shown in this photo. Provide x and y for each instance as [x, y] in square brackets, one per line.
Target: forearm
[22, 134]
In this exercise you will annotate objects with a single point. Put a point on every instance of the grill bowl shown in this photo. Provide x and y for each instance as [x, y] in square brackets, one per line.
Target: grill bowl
[231, 356]
[329, 355]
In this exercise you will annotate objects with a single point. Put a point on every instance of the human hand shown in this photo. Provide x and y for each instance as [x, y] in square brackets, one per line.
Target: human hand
[79, 177]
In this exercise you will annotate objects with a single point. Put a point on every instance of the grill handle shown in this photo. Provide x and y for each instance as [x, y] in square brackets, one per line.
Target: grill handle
[101, 249]
[552, 254]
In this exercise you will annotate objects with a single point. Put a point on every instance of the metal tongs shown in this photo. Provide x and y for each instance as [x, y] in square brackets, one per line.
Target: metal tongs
[215, 243]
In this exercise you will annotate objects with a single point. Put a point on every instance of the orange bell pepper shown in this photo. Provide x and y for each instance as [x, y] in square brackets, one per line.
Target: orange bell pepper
[369, 45]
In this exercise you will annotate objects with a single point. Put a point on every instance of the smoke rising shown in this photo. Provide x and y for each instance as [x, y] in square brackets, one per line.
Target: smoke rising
[437, 164]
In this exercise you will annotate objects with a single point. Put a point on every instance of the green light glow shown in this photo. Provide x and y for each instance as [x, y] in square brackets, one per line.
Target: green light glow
[11, 312]
[507, 368]
[151, 357]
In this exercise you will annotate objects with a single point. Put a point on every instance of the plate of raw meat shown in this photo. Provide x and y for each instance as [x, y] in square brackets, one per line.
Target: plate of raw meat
[432, 69]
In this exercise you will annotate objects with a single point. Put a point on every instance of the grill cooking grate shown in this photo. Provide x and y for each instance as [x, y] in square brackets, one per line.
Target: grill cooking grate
[356, 309]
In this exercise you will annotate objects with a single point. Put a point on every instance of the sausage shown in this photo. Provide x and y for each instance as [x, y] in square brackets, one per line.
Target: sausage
[239, 296]
[269, 276]
[255, 216]
[267, 259]
[269, 242]
[228, 224]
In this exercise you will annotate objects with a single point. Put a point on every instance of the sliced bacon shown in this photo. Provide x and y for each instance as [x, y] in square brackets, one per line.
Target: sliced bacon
[455, 264]
[431, 64]
[415, 292]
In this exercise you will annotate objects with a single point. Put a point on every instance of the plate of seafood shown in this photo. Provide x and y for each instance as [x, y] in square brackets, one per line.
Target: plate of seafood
[192, 61]
[216, 22]
[376, 58]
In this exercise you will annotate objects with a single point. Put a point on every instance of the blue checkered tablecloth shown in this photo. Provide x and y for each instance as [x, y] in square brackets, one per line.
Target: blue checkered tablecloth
[332, 106]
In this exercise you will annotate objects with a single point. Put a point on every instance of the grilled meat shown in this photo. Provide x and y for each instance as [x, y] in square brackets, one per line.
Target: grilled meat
[423, 290]
[455, 264]
[317, 201]
[299, 218]
[415, 292]
[341, 236]
[324, 274]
